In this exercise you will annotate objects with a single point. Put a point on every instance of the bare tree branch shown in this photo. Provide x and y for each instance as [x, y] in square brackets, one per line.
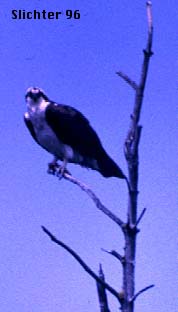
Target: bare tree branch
[91, 194]
[132, 157]
[144, 72]
[115, 254]
[150, 26]
[102, 292]
[126, 78]
[133, 135]
[140, 292]
[82, 263]
[141, 216]
[136, 141]
[147, 52]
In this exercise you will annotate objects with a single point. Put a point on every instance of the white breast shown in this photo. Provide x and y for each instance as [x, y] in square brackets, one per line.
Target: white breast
[45, 135]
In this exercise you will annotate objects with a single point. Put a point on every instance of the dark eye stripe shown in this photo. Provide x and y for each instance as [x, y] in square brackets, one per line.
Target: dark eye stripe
[38, 94]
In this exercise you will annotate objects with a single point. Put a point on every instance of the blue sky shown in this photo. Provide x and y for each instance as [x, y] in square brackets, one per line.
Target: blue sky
[75, 62]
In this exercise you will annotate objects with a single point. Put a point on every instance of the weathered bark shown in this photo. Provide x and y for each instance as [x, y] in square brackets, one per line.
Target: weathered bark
[132, 158]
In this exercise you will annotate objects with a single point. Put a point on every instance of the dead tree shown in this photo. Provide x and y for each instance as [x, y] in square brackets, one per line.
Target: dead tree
[129, 228]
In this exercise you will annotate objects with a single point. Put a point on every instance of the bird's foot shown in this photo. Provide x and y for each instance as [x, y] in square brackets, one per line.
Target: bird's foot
[53, 167]
[58, 170]
[61, 171]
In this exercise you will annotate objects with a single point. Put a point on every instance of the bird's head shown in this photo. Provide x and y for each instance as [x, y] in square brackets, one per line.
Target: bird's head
[35, 95]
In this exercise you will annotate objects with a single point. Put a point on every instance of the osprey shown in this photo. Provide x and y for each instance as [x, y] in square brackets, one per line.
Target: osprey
[67, 134]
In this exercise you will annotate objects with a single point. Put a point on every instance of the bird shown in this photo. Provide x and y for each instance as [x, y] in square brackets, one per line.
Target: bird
[67, 134]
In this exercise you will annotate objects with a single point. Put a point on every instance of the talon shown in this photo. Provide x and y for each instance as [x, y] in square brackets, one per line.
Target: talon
[61, 171]
[58, 170]
[52, 168]
[67, 172]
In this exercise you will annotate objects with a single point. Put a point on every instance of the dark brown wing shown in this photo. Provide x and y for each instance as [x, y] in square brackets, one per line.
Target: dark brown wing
[73, 129]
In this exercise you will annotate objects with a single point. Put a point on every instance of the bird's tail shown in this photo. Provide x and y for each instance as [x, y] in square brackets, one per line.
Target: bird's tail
[108, 168]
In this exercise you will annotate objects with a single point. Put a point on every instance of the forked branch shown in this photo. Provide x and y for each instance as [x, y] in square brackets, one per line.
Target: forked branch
[115, 254]
[103, 301]
[140, 292]
[82, 263]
